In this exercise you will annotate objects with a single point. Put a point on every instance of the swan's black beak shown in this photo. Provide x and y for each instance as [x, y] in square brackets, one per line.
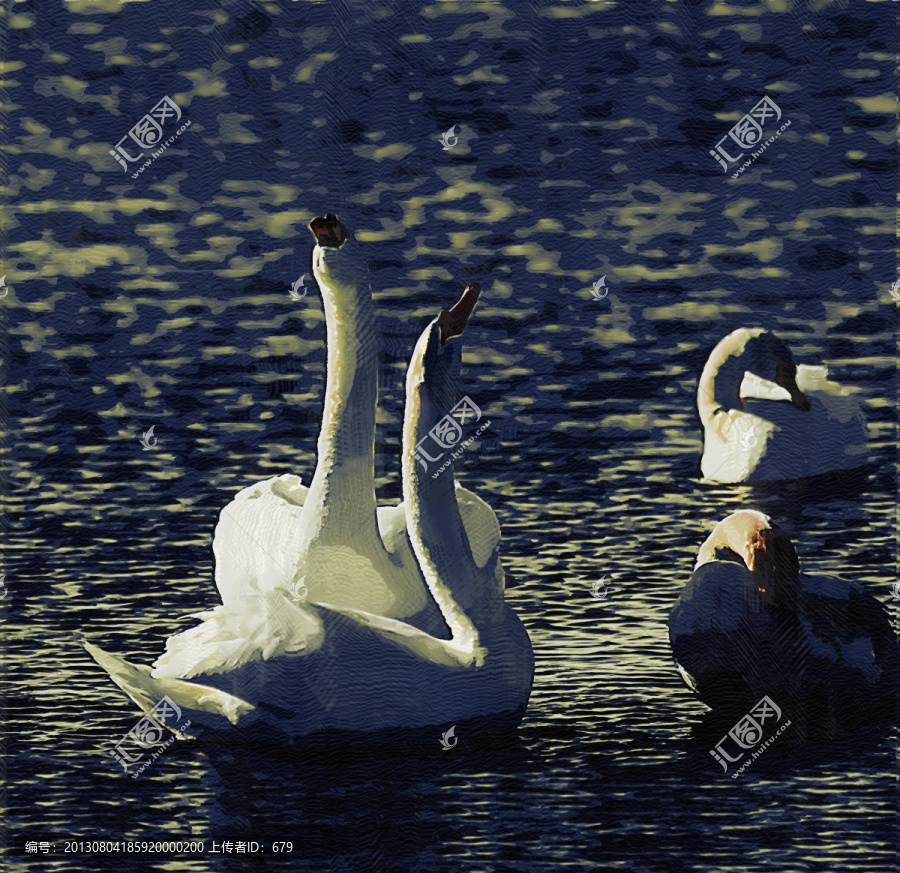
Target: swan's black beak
[453, 323]
[329, 232]
[775, 566]
[786, 377]
[798, 398]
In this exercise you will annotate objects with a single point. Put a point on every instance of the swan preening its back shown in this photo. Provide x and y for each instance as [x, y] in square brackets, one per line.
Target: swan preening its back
[337, 614]
[766, 419]
[748, 624]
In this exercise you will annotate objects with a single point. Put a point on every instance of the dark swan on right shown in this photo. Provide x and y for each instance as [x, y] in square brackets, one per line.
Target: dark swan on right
[749, 624]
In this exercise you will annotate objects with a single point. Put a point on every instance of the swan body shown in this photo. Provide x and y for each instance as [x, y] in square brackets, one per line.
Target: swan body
[748, 623]
[335, 614]
[258, 544]
[765, 419]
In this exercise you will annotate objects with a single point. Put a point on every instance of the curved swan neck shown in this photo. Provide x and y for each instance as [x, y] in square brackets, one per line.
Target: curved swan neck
[345, 471]
[435, 524]
[720, 383]
[720, 388]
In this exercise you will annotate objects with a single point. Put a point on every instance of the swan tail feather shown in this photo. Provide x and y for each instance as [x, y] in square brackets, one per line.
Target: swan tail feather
[135, 680]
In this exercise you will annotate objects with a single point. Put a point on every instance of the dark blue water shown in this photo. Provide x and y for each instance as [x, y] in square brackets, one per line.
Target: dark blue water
[583, 137]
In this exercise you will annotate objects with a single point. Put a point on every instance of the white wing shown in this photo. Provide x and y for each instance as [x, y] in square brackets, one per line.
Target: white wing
[253, 627]
[257, 542]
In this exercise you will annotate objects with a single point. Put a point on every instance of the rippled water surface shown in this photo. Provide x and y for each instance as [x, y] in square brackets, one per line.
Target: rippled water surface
[583, 136]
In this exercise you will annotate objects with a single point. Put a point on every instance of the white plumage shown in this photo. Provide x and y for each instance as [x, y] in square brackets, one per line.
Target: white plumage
[765, 419]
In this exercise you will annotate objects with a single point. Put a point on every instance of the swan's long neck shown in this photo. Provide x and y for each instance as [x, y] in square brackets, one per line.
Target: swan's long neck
[720, 382]
[434, 522]
[341, 501]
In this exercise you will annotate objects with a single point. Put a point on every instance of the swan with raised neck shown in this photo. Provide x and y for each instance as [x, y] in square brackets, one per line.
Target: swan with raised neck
[466, 593]
[358, 674]
[325, 541]
[343, 558]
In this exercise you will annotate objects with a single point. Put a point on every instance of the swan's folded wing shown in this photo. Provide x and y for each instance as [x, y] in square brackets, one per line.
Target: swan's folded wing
[392, 529]
[848, 626]
[258, 538]
[481, 525]
[251, 628]
[842, 402]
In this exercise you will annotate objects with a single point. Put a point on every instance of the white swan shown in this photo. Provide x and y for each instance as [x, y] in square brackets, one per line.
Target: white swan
[748, 623]
[279, 534]
[342, 658]
[766, 419]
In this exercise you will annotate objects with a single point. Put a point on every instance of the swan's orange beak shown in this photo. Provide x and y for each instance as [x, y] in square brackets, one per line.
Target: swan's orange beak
[453, 323]
[329, 232]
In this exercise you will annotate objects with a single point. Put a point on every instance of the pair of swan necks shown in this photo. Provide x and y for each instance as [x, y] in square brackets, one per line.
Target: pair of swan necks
[338, 518]
[434, 522]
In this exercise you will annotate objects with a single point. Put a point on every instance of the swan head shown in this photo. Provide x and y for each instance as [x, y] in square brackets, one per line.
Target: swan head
[768, 357]
[453, 323]
[336, 260]
[440, 362]
[750, 538]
